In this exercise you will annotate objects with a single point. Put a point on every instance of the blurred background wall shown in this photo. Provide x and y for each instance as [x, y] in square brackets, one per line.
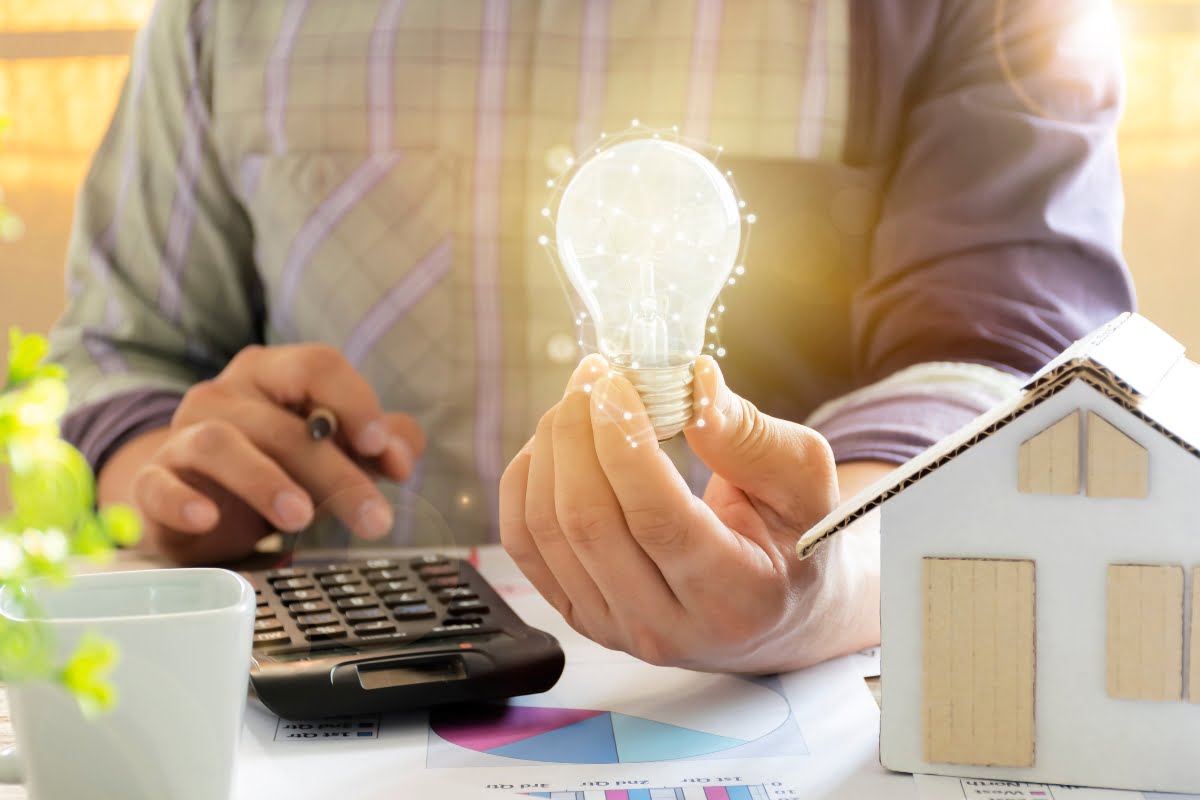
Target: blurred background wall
[62, 63]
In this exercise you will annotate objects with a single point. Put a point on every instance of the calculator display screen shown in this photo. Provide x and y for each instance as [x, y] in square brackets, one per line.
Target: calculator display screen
[384, 676]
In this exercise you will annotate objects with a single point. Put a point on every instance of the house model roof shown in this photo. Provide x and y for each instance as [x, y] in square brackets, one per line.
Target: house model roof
[1130, 360]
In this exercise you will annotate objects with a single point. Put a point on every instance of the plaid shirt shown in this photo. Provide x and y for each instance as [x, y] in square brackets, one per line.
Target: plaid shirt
[369, 173]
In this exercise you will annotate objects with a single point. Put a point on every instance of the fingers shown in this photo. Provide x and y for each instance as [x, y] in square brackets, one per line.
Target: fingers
[165, 499]
[515, 536]
[680, 535]
[240, 528]
[332, 481]
[753, 451]
[222, 453]
[302, 376]
[541, 519]
[407, 443]
[589, 514]
[337, 484]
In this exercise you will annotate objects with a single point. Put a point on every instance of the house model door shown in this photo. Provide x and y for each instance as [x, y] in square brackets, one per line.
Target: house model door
[979, 649]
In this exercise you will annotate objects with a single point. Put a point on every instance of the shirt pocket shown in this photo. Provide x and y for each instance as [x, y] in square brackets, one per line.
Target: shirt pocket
[357, 250]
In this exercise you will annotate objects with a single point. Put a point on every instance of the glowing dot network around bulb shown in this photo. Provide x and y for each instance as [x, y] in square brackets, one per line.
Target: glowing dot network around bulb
[648, 231]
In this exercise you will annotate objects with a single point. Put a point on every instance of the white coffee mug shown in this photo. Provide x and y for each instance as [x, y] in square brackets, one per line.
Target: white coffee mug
[184, 638]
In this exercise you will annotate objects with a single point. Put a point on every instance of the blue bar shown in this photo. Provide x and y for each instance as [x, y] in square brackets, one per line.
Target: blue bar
[639, 794]
[739, 792]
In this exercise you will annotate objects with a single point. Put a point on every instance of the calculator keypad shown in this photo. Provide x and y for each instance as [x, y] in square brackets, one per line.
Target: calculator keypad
[376, 603]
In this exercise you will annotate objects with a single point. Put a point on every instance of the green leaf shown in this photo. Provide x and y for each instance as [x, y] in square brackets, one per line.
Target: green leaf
[51, 484]
[86, 674]
[25, 353]
[121, 524]
[39, 404]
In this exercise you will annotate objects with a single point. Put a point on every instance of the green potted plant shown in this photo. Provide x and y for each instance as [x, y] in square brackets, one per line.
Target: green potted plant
[49, 518]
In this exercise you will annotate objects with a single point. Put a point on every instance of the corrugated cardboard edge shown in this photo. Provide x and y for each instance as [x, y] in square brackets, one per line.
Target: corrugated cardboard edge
[1074, 364]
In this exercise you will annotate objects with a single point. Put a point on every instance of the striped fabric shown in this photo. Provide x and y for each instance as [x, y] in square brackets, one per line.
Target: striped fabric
[368, 173]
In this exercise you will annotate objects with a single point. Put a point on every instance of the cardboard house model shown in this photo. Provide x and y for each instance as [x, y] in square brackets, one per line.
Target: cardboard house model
[1041, 578]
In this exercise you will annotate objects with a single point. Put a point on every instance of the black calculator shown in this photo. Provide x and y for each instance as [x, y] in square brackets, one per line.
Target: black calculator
[390, 635]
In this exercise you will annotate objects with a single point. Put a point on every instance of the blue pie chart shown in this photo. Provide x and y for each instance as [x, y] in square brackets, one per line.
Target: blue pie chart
[572, 736]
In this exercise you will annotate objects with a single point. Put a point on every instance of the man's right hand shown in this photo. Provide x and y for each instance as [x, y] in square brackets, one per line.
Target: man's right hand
[237, 461]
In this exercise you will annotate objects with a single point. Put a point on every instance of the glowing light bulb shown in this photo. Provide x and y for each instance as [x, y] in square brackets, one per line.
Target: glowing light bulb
[647, 232]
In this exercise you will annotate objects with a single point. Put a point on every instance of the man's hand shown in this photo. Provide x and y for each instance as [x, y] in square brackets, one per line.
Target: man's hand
[237, 461]
[599, 519]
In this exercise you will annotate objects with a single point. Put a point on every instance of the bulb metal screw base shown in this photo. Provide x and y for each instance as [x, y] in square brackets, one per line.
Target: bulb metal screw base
[665, 391]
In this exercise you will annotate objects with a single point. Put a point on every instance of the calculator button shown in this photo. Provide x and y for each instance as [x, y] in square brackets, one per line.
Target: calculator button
[357, 602]
[294, 583]
[402, 598]
[429, 560]
[263, 611]
[385, 575]
[321, 570]
[285, 572]
[394, 586]
[310, 620]
[460, 593]
[308, 607]
[300, 594]
[261, 602]
[325, 632]
[437, 570]
[376, 626]
[381, 563]
[462, 621]
[271, 637]
[418, 611]
[267, 624]
[448, 582]
[468, 607]
[338, 578]
[348, 590]
[361, 614]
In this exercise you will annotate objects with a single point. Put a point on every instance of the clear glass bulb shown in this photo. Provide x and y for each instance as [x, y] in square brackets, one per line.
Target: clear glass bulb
[648, 231]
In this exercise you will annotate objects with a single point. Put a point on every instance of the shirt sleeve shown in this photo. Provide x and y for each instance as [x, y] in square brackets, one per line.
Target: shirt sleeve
[160, 279]
[999, 237]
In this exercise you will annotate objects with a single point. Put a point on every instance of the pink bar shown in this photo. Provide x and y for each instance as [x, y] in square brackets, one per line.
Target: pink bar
[616, 794]
[716, 793]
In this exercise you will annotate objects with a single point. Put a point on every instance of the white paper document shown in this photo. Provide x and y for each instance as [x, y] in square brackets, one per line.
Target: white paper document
[868, 661]
[614, 728]
[937, 787]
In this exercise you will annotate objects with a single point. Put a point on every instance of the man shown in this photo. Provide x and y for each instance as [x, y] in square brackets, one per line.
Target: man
[305, 203]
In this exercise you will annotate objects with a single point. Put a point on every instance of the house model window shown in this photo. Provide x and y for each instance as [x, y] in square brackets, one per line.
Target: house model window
[1145, 632]
[1116, 465]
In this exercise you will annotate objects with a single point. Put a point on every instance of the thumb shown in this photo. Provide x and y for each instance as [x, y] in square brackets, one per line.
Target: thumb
[783, 464]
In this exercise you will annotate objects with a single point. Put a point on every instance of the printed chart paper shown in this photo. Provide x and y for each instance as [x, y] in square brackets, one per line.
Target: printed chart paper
[938, 787]
[614, 728]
